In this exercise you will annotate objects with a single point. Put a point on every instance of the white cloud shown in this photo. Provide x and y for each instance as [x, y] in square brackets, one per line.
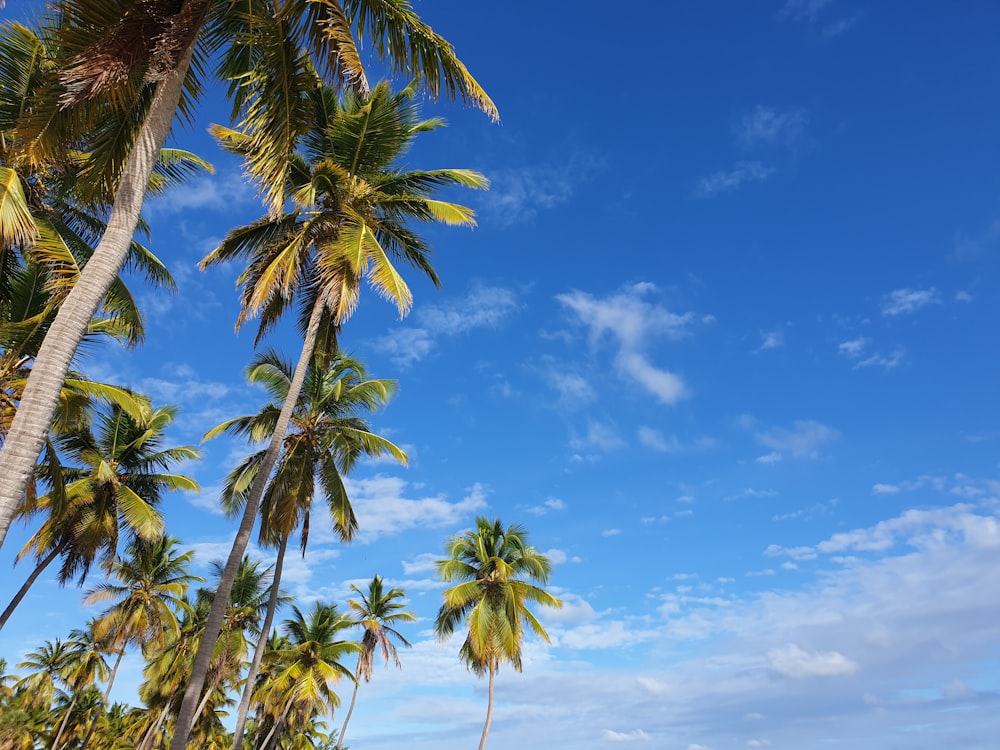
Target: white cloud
[885, 489]
[219, 192]
[792, 661]
[964, 296]
[383, 508]
[725, 181]
[518, 194]
[839, 27]
[422, 563]
[636, 735]
[611, 532]
[766, 126]
[633, 324]
[553, 503]
[803, 10]
[905, 301]
[574, 390]
[655, 439]
[885, 361]
[803, 440]
[482, 307]
[853, 348]
[770, 340]
[600, 436]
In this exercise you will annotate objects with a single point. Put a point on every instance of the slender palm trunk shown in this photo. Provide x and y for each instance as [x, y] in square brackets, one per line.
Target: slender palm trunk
[489, 710]
[258, 653]
[205, 698]
[41, 393]
[277, 724]
[213, 626]
[65, 720]
[350, 709]
[28, 583]
[150, 736]
[104, 699]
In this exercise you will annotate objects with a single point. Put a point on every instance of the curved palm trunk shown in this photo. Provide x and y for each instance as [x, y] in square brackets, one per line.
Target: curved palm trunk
[213, 626]
[258, 654]
[489, 710]
[28, 583]
[104, 699]
[41, 393]
[350, 709]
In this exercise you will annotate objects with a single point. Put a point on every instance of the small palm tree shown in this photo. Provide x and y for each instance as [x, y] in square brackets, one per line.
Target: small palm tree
[152, 581]
[87, 665]
[491, 599]
[376, 610]
[306, 666]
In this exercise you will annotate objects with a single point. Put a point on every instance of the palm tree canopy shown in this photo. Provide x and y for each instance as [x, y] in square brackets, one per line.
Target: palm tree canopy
[327, 436]
[377, 611]
[152, 582]
[352, 207]
[112, 476]
[489, 565]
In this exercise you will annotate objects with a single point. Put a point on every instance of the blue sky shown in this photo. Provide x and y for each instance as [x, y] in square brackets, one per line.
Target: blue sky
[722, 340]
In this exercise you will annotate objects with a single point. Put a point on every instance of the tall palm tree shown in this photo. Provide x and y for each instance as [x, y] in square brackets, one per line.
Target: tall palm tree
[491, 599]
[127, 51]
[306, 667]
[152, 581]
[116, 470]
[376, 611]
[328, 435]
[47, 664]
[352, 212]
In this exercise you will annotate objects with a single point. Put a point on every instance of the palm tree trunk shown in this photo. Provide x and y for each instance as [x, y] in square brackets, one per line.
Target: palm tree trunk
[150, 736]
[65, 720]
[104, 699]
[350, 709]
[28, 583]
[205, 698]
[213, 626]
[277, 724]
[258, 654]
[489, 710]
[41, 393]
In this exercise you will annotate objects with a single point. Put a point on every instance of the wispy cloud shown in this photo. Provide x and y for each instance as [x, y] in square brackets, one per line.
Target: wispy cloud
[518, 194]
[856, 350]
[635, 735]
[727, 180]
[803, 10]
[796, 663]
[655, 440]
[633, 324]
[765, 126]
[770, 340]
[216, 192]
[482, 307]
[906, 301]
[601, 437]
[803, 440]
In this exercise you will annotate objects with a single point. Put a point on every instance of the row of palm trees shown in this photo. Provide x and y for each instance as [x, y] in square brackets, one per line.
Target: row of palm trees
[59, 703]
[87, 103]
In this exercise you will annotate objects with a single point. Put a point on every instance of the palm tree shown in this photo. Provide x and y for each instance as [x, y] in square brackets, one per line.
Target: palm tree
[352, 209]
[328, 435]
[377, 611]
[86, 665]
[306, 666]
[491, 599]
[152, 580]
[48, 663]
[117, 470]
[126, 51]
